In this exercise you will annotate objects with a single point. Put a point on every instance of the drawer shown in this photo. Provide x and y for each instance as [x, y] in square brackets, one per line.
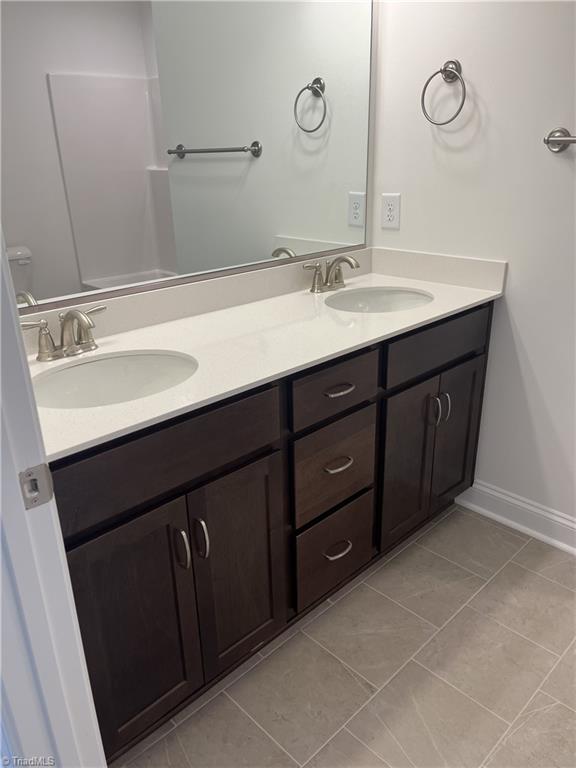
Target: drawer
[433, 348]
[99, 488]
[333, 549]
[332, 390]
[334, 463]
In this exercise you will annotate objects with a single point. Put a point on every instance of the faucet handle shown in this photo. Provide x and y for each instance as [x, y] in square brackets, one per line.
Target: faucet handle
[97, 308]
[317, 279]
[85, 337]
[46, 348]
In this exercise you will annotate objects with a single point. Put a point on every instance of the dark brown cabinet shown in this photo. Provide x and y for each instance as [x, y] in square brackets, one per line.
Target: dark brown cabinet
[134, 591]
[460, 395]
[252, 510]
[431, 432]
[239, 553]
[408, 455]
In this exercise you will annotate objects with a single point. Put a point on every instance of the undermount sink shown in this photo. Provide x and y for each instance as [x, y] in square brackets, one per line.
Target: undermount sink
[367, 300]
[113, 378]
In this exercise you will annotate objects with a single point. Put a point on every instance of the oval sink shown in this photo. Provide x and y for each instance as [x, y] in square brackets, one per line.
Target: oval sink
[114, 378]
[378, 299]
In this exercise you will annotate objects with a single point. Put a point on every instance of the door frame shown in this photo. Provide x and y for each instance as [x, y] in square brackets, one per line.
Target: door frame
[47, 705]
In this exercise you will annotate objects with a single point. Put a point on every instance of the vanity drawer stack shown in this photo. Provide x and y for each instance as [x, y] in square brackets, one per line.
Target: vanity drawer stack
[193, 543]
[333, 465]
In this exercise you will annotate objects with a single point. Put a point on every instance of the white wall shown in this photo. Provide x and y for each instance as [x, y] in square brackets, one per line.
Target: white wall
[486, 186]
[229, 73]
[59, 37]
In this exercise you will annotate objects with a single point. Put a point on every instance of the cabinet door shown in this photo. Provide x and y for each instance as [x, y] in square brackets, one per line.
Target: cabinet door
[134, 591]
[408, 452]
[457, 434]
[240, 561]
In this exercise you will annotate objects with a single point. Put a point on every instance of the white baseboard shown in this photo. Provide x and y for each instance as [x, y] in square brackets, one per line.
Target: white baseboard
[534, 519]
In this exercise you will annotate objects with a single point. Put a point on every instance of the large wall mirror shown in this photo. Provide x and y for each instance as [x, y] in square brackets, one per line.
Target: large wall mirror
[102, 101]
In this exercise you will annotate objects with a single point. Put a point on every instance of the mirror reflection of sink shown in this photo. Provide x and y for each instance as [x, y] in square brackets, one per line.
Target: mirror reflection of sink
[368, 300]
[113, 378]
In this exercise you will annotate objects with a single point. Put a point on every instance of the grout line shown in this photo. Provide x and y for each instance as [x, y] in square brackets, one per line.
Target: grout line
[403, 607]
[415, 537]
[453, 562]
[474, 573]
[555, 700]
[339, 660]
[546, 578]
[264, 731]
[493, 523]
[376, 755]
[216, 691]
[137, 750]
[447, 682]
[428, 641]
[514, 632]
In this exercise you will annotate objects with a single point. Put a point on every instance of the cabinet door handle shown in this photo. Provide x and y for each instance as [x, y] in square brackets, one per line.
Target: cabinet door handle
[346, 464]
[340, 390]
[188, 561]
[345, 551]
[438, 410]
[204, 528]
[449, 405]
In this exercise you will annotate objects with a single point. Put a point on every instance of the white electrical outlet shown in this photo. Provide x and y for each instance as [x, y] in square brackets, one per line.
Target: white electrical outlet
[356, 209]
[391, 210]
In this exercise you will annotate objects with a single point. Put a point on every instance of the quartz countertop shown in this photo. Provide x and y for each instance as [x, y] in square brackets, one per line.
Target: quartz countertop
[239, 348]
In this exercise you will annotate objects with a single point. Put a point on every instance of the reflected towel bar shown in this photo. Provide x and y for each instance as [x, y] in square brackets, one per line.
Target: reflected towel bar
[255, 150]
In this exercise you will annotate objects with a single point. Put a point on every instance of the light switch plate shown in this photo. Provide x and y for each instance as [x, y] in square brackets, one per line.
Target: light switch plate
[390, 210]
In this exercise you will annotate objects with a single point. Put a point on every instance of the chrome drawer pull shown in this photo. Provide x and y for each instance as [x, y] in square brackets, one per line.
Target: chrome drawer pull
[449, 403]
[340, 390]
[348, 461]
[345, 551]
[438, 410]
[184, 538]
[206, 536]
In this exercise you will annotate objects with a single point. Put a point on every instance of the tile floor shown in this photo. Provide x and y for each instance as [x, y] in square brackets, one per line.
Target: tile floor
[457, 651]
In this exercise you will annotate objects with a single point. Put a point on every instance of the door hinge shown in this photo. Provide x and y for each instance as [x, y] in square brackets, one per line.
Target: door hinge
[36, 485]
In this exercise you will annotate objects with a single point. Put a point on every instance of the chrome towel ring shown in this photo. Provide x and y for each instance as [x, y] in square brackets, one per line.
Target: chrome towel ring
[451, 72]
[316, 88]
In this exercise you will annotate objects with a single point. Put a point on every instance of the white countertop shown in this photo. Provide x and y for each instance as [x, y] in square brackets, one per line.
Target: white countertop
[240, 348]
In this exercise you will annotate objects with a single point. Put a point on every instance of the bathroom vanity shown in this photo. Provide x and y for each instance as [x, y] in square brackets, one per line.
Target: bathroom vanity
[195, 541]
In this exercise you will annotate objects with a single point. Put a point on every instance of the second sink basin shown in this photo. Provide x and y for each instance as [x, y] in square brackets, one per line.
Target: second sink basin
[113, 378]
[378, 299]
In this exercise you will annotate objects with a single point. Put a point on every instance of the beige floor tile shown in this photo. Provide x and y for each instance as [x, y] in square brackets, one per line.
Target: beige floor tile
[543, 737]
[420, 721]
[562, 682]
[219, 735]
[211, 693]
[294, 629]
[370, 633]
[345, 751]
[549, 561]
[531, 605]
[473, 542]
[490, 663]
[427, 584]
[166, 753]
[301, 695]
[143, 745]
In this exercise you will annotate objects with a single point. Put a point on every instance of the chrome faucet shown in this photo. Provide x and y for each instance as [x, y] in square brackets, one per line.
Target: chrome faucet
[75, 334]
[277, 253]
[334, 278]
[25, 297]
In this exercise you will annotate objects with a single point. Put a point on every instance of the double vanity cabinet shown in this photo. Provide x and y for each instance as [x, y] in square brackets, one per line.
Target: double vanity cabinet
[193, 543]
